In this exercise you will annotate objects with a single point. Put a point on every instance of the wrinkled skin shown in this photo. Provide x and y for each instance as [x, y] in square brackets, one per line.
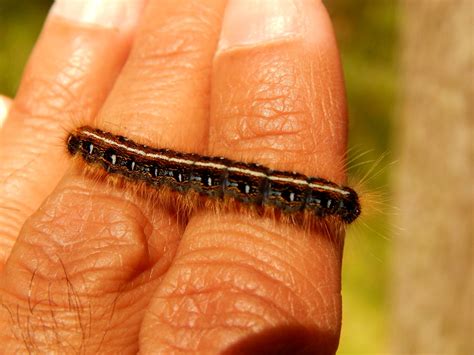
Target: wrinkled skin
[89, 267]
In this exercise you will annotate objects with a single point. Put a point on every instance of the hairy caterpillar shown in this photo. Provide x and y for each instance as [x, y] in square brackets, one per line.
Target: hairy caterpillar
[215, 177]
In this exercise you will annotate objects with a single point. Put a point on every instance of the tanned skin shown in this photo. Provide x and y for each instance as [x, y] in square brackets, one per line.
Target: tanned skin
[92, 267]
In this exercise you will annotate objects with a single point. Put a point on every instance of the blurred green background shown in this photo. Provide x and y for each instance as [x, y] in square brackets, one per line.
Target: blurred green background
[367, 35]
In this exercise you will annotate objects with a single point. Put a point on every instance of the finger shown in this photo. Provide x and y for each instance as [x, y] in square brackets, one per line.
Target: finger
[5, 104]
[277, 99]
[73, 65]
[162, 95]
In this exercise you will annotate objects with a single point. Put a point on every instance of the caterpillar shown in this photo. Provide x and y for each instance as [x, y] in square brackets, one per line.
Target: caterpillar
[215, 177]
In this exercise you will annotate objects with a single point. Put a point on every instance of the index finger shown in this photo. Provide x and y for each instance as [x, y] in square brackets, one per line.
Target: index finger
[277, 99]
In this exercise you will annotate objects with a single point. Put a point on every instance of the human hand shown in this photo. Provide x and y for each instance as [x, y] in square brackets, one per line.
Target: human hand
[97, 268]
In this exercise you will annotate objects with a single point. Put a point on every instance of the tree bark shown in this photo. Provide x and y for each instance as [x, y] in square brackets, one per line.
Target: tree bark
[433, 252]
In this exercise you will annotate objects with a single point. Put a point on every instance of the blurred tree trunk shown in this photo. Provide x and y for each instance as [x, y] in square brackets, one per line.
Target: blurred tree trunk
[433, 253]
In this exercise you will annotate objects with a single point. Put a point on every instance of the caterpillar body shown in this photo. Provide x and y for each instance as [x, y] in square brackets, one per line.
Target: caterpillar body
[215, 177]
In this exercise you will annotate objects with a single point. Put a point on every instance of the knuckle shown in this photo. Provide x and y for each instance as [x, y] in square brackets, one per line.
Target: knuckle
[227, 292]
[237, 300]
[181, 42]
[267, 111]
[257, 277]
[179, 52]
[208, 316]
[56, 93]
[80, 237]
[73, 266]
[79, 259]
[267, 123]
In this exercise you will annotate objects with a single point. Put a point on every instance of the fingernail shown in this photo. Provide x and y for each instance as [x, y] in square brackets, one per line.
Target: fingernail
[250, 22]
[104, 13]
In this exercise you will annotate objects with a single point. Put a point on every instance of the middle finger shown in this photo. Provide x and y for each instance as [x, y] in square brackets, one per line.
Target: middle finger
[277, 99]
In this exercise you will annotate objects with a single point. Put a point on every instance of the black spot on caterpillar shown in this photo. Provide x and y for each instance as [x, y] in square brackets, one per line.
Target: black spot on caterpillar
[215, 177]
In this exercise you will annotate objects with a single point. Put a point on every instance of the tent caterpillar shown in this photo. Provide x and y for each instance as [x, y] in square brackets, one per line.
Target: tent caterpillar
[215, 177]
